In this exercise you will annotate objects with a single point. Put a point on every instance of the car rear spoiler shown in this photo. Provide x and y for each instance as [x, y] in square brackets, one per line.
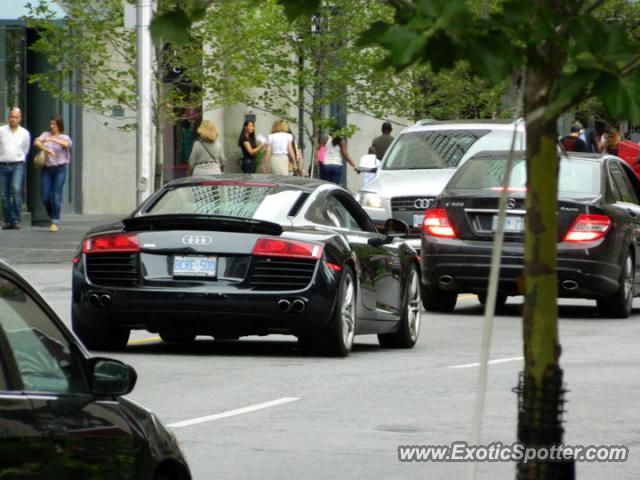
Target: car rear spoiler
[201, 222]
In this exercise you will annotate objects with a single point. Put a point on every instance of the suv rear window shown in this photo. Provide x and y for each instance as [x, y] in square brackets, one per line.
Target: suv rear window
[578, 178]
[443, 148]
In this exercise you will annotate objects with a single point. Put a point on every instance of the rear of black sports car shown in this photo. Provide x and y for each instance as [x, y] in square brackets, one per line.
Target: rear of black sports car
[195, 274]
[593, 234]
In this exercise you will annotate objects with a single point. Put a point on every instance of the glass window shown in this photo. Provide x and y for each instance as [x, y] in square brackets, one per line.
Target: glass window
[44, 357]
[577, 179]
[625, 191]
[340, 215]
[259, 201]
[445, 148]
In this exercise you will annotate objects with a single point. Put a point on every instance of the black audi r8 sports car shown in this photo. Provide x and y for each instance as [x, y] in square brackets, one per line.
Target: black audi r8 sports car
[236, 255]
[598, 232]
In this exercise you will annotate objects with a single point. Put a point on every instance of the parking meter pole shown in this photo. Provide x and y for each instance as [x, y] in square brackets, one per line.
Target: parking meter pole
[490, 307]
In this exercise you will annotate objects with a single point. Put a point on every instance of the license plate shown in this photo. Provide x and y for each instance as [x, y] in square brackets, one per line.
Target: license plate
[511, 224]
[194, 266]
[418, 220]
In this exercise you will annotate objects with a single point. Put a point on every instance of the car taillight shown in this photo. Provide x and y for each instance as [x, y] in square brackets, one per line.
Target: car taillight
[588, 228]
[275, 247]
[117, 242]
[437, 224]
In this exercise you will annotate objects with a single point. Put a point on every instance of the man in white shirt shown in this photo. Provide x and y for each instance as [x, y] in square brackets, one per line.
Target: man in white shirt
[15, 142]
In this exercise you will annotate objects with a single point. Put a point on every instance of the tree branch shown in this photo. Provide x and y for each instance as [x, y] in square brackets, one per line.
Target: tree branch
[594, 6]
[631, 66]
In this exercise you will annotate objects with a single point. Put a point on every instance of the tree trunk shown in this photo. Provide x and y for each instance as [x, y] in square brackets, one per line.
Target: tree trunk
[540, 389]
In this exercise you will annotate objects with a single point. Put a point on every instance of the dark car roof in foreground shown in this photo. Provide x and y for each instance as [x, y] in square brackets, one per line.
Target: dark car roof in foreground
[301, 183]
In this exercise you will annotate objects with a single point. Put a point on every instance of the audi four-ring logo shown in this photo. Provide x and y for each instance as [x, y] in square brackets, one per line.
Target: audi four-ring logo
[422, 203]
[197, 240]
[512, 203]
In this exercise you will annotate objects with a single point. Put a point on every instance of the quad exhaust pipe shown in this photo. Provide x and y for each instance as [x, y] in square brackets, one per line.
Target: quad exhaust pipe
[296, 306]
[284, 305]
[100, 301]
[570, 285]
[445, 280]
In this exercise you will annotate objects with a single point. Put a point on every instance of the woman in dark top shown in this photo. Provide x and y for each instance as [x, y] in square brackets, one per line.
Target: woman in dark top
[247, 143]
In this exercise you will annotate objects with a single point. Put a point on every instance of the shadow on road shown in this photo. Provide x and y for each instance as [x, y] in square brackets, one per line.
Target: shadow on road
[565, 312]
[246, 348]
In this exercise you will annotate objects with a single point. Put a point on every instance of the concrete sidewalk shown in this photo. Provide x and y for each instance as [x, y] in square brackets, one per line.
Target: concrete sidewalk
[35, 244]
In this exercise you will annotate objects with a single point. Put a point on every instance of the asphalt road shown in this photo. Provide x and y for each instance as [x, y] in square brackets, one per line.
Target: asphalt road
[344, 418]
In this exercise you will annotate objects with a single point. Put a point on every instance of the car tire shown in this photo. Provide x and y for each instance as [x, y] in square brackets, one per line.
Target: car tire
[411, 307]
[114, 339]
[337, 338]
[620, 304]
[436, 300]
[501, 299]
[177, 337]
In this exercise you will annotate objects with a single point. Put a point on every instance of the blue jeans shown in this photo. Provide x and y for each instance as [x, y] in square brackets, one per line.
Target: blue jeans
[51, 183]
[331, 173]
[11, 184]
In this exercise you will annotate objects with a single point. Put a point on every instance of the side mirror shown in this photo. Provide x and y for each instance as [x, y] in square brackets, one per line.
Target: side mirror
[394, 228]
[111, 378]
[368, 163]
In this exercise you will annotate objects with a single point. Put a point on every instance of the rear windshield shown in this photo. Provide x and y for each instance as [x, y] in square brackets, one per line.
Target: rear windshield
[444, 148]
[259, 201]
[577, 179]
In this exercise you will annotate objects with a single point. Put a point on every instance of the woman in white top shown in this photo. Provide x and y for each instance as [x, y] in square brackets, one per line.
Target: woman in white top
[334, 158]
[279, 150]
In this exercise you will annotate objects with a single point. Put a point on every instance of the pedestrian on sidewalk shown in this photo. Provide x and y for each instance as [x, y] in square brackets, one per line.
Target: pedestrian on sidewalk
[381, 143]
[207, 156]
[249, 146]
[279, 150]
[15, 142]
[335, 158]
[573, 142]
[57, 147]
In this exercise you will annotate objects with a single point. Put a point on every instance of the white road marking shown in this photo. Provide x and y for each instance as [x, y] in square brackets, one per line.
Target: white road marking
[491, 362]
[233, 413]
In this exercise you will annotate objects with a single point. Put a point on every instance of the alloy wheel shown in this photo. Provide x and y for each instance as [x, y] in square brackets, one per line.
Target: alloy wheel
[628, 280]
[348, 312]
[414, 306]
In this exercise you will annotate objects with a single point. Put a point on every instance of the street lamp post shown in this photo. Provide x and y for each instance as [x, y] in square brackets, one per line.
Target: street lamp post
[144, 145]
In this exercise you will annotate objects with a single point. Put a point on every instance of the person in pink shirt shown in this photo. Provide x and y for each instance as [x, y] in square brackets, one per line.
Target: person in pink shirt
[57, 145]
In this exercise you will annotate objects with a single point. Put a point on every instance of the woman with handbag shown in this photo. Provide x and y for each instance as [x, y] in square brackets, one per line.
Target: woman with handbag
[57, 148]
[207, 156]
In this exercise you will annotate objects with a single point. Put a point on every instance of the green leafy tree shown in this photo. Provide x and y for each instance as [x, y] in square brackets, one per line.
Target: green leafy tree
[93, 63]
[256, 56]
[566, 54]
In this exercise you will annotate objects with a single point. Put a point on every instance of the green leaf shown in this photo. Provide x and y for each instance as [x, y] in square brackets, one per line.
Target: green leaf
[372, 34]
[621, 95]
[173, 26]
[298, 8]
[404, 45]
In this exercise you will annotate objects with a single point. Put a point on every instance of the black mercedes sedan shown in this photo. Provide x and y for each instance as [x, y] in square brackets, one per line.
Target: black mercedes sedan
[598, 232]
[62, 413]
[235, 255]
